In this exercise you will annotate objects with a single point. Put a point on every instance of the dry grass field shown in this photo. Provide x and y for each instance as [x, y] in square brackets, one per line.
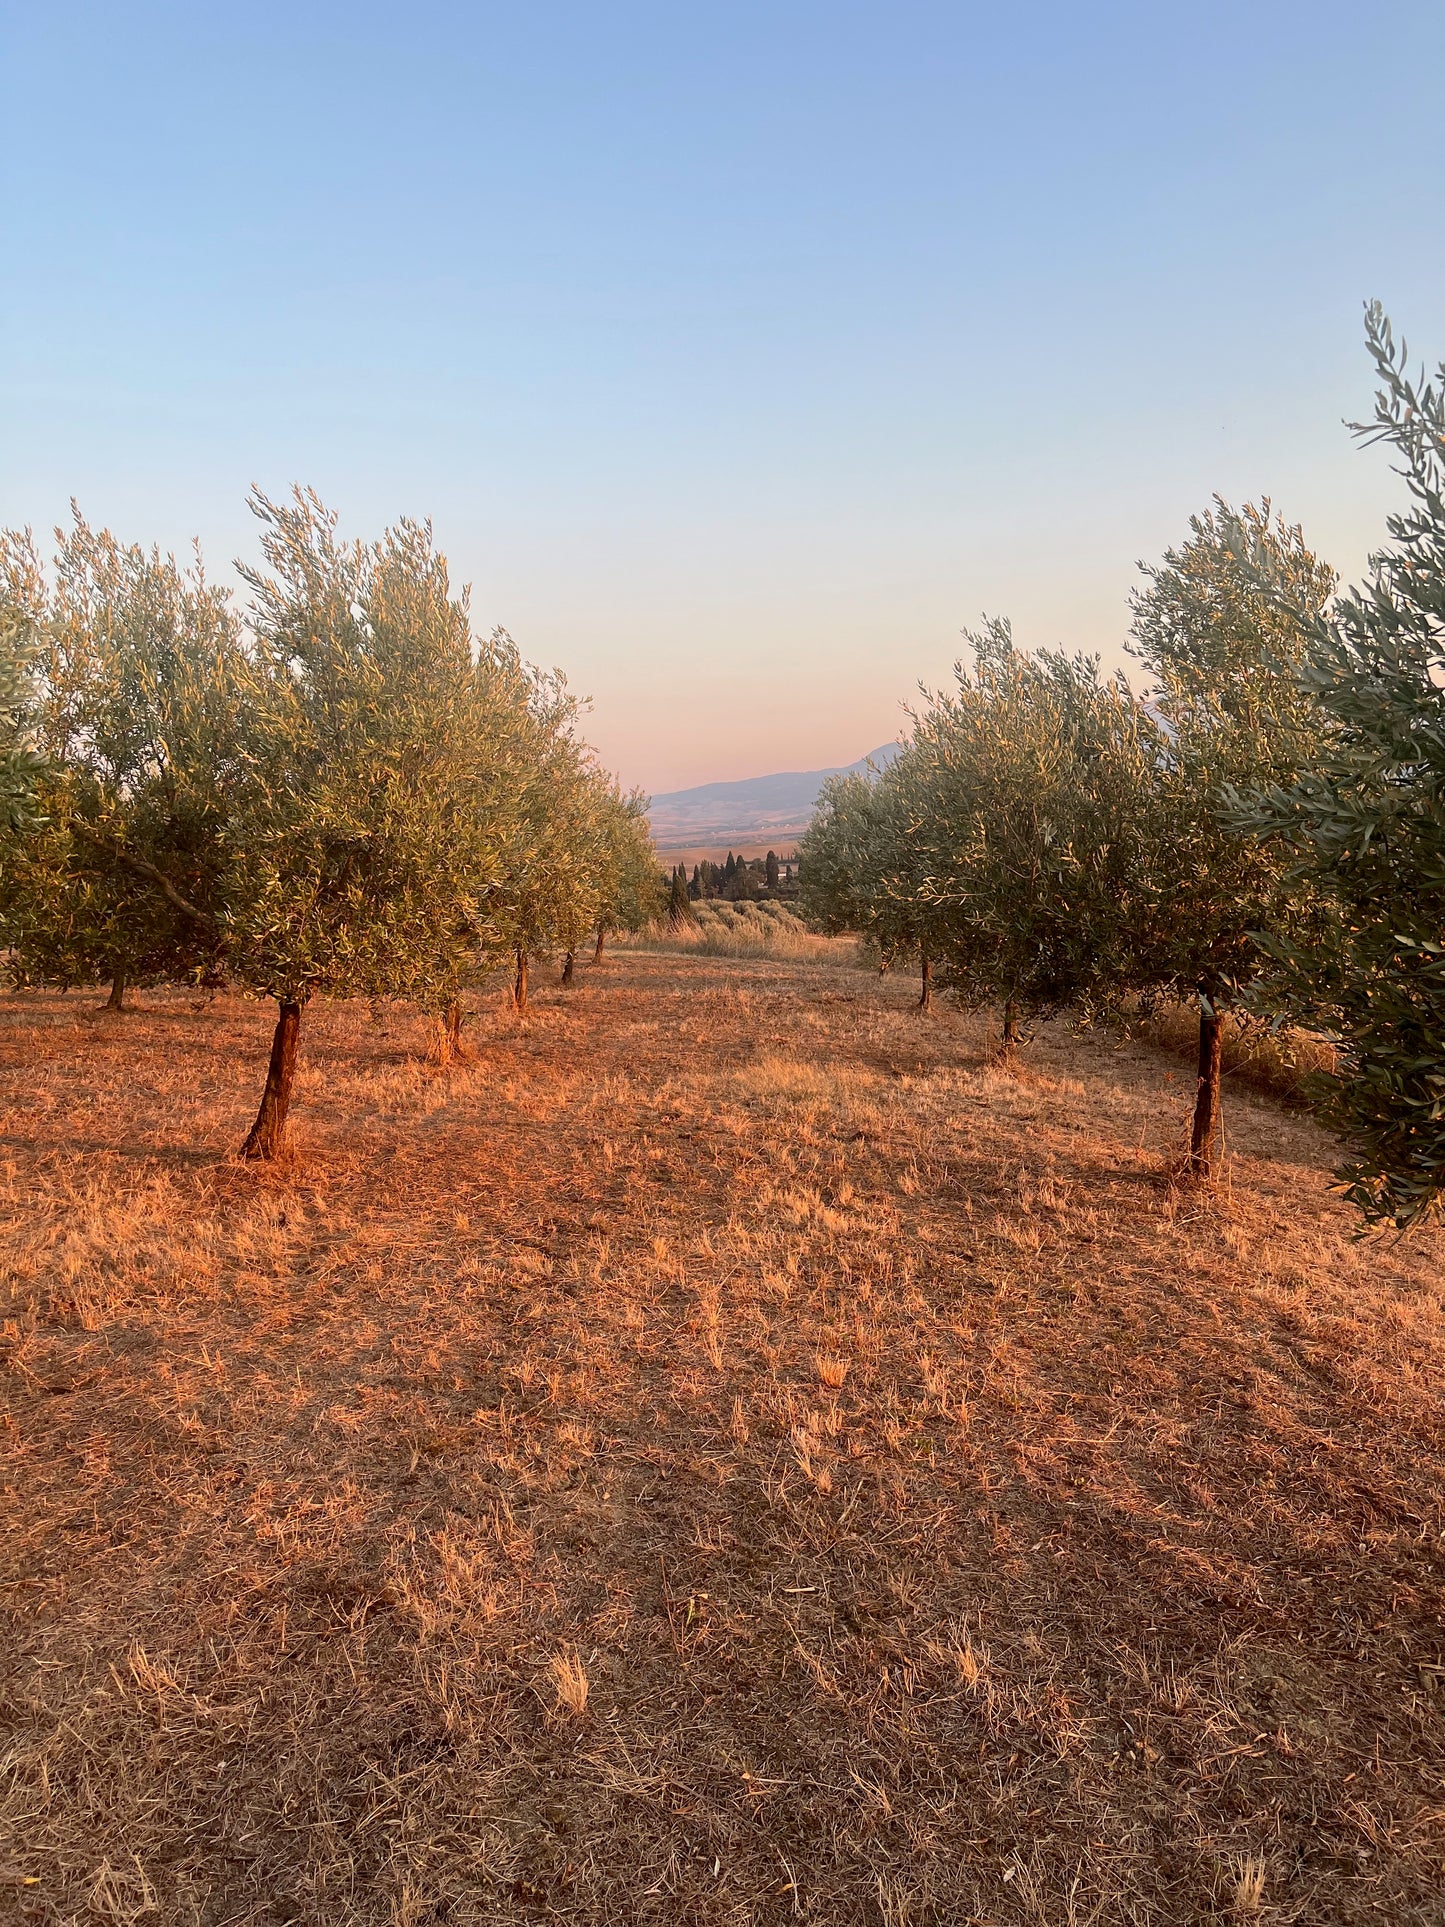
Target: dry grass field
[769, 931]
[728, 1454]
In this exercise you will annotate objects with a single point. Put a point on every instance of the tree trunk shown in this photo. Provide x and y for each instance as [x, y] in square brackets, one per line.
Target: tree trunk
[925, 995]
[601, 939]
[267, 1138]
[446, 1045]
[567, 970]
[116, 999]
[519, 988]
[1204, 1133]
[1010, 1027]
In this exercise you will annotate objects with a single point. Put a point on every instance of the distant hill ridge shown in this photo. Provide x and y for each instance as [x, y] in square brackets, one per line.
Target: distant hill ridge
[753, 807]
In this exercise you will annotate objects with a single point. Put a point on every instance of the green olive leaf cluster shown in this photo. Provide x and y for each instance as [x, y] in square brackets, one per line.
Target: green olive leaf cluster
[858, 865]
[1025, 795]
[1223, 632]
[132, 685]
[1363, 823]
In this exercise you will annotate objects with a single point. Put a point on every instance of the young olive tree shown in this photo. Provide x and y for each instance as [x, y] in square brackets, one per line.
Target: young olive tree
[860, 870]
[358, 855]
[1023, 791]
[630, 884]
[1363, 822]
[549, 892]
[132, 718]
[1223, 631]
[497, 724]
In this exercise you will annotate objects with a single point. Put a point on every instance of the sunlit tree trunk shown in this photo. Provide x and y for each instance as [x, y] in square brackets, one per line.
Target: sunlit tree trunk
[1011, 1016]
[601, 939]
[925, 994]
[519, 988]
[267, 1137]
[567, 970]
[116, 999]
[446, 1036]
[1204, 1132]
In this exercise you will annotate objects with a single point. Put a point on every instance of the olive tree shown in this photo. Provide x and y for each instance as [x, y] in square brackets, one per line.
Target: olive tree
[358, 855]
[130, 717]
[549, 891]
[1363, 822]
[1223, 630]
[859, 868]
[1023, 792]
[20, 764]
[500, 744]
[630, 891]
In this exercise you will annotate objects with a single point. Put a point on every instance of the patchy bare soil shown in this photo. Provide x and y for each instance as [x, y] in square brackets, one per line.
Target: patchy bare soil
[726, 1455]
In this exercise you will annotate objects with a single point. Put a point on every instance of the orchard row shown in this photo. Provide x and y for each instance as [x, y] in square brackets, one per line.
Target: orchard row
[1261, 828]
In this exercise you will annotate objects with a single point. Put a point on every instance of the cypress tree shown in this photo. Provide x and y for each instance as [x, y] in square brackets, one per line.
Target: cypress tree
[679, 906]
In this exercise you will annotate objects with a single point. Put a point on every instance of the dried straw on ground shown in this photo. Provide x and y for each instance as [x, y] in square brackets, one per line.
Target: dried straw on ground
[724, 1455]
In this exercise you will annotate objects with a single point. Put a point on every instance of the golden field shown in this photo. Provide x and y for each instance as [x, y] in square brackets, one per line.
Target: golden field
[728, 1453]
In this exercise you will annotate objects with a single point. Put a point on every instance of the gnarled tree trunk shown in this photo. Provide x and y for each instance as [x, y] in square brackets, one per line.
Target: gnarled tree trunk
[1204, 1132]
[567, 970]
[519, 987]
[601, 939]
[267, 1137]
[925, 994]
[116, 999]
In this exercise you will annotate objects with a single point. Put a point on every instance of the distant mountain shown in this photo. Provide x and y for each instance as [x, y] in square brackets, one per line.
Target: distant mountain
[758, 806]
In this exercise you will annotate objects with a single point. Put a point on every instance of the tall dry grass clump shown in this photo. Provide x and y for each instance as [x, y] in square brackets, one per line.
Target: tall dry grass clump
[1281, 1062]
[748, 930]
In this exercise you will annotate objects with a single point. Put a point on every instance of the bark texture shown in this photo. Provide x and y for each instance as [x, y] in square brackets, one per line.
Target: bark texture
[1204, 1132]
[1011, 1016]
[454, 1025]
[519, 988]
[267, 1137]
[601, 939]
[116, 999]
[567, 970]
[445, 1046]
[925, 994]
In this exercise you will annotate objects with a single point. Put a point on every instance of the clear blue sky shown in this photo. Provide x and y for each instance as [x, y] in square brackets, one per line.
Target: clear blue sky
[740, 354]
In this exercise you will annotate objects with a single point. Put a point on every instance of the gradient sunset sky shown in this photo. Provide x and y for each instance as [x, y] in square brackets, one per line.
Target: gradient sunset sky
[740, 354]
